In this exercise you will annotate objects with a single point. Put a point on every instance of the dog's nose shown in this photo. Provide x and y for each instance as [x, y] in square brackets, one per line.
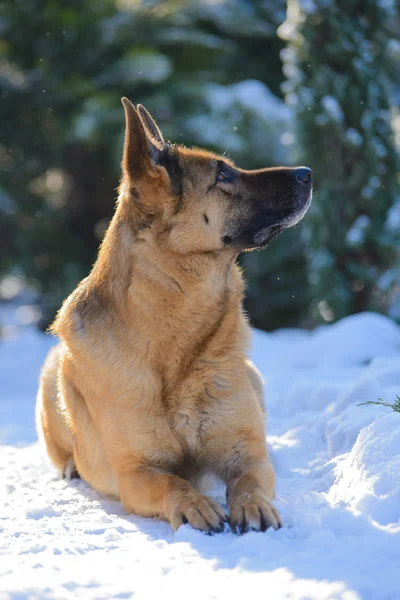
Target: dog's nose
[304, 174]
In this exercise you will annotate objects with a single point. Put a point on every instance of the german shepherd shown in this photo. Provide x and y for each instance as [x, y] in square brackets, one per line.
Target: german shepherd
[150, 387]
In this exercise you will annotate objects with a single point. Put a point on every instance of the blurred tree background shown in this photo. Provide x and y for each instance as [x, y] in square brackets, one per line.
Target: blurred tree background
[210, 72]
[340, 63]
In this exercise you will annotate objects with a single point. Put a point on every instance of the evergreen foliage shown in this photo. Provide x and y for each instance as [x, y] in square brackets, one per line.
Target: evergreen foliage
[210, 74]
[338, 67]
[395, 406]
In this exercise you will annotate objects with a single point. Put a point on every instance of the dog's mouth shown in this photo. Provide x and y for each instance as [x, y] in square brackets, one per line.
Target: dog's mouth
[265, 235]
[268, 219]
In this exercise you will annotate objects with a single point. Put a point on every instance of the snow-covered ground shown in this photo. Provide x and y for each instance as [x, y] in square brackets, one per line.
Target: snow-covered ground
[338, 470]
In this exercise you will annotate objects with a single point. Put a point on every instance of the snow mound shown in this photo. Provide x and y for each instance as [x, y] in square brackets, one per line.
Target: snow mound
[338, 488]
[354, 340]
[367, 480]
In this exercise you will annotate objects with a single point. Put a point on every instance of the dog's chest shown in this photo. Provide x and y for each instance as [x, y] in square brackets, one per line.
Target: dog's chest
[190, 426]
[195, 405]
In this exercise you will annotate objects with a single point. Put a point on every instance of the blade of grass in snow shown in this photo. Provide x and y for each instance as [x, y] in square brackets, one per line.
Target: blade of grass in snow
[395, 406]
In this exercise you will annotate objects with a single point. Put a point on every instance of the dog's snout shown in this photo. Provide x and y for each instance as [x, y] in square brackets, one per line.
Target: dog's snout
[304, 174]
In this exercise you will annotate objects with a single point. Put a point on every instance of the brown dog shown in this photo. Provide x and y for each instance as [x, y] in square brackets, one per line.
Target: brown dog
[150, 387]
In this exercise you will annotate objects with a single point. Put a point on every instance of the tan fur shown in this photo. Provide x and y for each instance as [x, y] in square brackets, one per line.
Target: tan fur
[150, 386]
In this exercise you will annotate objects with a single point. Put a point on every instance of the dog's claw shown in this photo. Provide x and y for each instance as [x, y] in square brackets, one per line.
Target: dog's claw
[253, 516]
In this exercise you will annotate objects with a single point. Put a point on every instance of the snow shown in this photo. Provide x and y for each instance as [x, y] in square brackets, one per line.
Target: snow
[356, 233]
[393, 217]
[338, 487]
[248, 106]
[354, 137]
[332, 108]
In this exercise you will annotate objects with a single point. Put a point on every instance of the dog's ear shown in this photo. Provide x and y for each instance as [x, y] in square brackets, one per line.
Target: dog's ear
[154, 135]
[143, 142]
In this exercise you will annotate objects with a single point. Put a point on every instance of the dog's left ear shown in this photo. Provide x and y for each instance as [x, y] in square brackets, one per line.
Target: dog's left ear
[144, 142]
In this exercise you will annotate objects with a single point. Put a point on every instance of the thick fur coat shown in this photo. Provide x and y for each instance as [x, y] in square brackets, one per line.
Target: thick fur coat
[150, 387]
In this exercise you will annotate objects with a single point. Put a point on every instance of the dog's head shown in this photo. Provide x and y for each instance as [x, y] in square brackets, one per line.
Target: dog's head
[194, 201]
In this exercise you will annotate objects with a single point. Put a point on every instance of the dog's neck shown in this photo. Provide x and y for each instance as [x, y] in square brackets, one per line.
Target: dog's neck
[130, 250]
[189, 299]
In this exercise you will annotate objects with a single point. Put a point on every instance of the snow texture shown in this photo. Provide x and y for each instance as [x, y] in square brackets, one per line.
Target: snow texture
[338, 487]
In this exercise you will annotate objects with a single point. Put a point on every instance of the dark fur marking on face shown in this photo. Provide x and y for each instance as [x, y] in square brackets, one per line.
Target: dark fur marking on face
[170, 161]
[229, 194]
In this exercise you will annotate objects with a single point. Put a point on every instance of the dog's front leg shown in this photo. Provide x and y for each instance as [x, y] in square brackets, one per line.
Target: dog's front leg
[241, 453]
[149, 491]
[249, 495]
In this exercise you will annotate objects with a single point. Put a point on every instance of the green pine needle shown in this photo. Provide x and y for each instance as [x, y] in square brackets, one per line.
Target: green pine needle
[395, 406]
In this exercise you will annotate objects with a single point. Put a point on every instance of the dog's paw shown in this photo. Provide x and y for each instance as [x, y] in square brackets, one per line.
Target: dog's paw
[253, 512]
[200, 511]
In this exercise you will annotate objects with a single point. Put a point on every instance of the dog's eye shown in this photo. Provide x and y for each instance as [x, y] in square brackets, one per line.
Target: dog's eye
[224, 175]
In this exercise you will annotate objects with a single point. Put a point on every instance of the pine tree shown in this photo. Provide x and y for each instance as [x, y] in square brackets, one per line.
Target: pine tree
[201, 70]
[338, 70]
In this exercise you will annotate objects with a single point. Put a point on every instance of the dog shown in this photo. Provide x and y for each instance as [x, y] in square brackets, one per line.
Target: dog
[150, 388]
